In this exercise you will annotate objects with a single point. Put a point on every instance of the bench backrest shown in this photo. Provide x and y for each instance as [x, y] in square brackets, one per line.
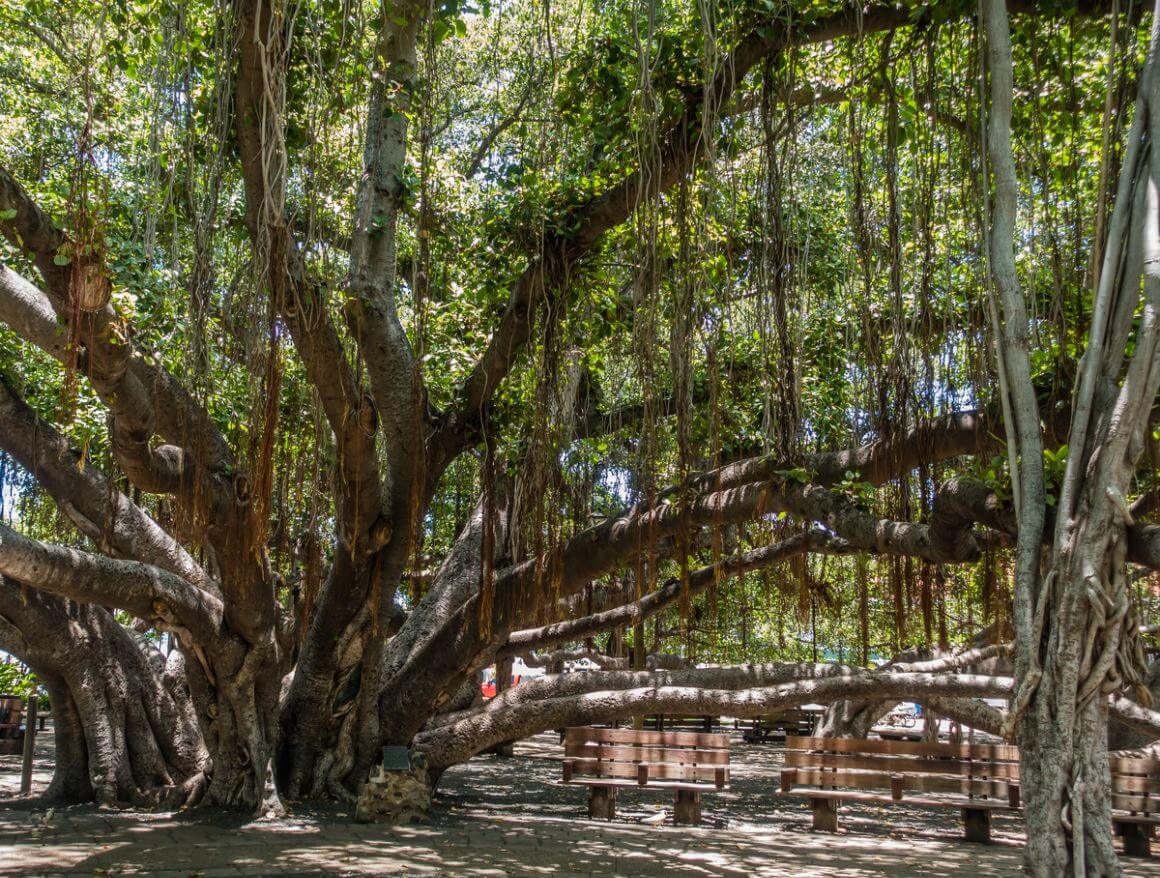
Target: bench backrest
[680, 721]
[974, 769]
[978, 771]
[791, 718]
[644, 756]
[11, 710]
[797, 720]
[1135, 784]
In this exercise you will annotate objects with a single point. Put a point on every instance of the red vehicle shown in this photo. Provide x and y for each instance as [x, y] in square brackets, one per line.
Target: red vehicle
[488, 687]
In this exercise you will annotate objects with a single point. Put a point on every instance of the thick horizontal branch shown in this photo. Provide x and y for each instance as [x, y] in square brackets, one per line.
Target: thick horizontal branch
[652, 662]
[945, 437]
[28, 313]
[83, 492]
[604, 696]
[963, 502]
[972, 712]
[569, 566]
[964, 659]
[143, 590]
[1140, 718]
[669, 593]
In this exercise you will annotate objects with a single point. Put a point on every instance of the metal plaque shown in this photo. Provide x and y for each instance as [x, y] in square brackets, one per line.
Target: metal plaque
[396, 759]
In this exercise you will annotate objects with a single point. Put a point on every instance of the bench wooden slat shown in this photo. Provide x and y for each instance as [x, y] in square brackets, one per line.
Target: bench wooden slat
[630, 753]
[1135, 818]
[687, 763]
[692, 721]
[991, 752]
[1142, 803]
[1127, 783]
[658, 784]
[916, 764]
[662, 770]
[926, 783]
[1133, 765]
[917, 801]
[706, 740]
[787, 716]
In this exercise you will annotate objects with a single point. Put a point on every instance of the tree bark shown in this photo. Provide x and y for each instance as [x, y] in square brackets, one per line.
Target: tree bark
[124, 728]
[603, 696]
[1073, 647]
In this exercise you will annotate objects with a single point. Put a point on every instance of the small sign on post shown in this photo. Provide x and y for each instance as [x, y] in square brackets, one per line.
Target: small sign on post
[396, 758]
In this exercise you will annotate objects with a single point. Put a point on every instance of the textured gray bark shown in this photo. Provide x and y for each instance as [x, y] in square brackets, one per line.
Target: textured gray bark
[124, 734]
[603, 696]
[855, 719]
[1074, 627]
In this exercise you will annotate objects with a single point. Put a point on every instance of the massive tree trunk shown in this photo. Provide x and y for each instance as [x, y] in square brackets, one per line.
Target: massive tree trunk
[234, 685]
[1075, 626]
[123, 722]
[237, 687]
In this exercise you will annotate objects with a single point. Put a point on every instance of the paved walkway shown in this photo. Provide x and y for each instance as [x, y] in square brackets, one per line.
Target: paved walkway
[507, 817]
[89, 843]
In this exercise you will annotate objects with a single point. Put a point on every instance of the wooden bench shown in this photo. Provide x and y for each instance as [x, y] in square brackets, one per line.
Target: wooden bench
[11, 724]
[688, 763]
[1135, 802]
[11, 716]
[794, 721]
[975, 778]
[662, 722]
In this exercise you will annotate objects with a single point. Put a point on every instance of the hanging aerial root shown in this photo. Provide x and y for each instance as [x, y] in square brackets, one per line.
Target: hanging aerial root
[1075, 825]
[1113, 658]
[1030, 681]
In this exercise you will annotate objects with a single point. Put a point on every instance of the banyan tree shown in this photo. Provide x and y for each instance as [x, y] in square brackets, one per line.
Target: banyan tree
[348, 349]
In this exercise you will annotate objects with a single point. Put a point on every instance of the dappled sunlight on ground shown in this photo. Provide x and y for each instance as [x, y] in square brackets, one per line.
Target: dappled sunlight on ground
[511, 817]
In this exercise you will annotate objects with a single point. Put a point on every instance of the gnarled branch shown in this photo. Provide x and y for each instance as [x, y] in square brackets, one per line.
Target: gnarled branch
[146, 591]
[102, 513]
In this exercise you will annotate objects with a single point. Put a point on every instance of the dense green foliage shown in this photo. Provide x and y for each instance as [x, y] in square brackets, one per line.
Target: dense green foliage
[817, 282]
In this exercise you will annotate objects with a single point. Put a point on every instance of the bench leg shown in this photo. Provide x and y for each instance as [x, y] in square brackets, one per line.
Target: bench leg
[687, 811]
[977, 825]
[1137, 839]
[825, 814]
[602, 803]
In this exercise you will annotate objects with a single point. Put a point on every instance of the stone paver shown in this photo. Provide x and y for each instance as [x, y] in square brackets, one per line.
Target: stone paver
[509, 817]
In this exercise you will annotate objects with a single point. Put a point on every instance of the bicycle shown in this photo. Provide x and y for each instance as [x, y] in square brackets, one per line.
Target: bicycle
[903, 720]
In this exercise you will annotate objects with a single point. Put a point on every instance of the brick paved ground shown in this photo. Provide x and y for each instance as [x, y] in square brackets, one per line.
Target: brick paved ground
[508, 817]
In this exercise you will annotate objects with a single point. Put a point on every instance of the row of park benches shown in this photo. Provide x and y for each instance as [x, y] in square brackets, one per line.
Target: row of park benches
[792, 721]
[976, 779]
